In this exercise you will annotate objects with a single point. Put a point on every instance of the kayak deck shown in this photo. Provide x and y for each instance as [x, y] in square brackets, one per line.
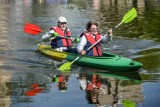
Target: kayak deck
[108, 61]
[47, 50]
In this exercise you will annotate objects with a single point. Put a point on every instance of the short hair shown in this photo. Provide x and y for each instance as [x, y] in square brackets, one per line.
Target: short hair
[89, 24]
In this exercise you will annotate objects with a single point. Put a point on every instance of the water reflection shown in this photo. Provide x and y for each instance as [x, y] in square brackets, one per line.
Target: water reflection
[34, 89]
[61, 81]
[97, 89]
[111, 89]
[56, 1]
[5, 100]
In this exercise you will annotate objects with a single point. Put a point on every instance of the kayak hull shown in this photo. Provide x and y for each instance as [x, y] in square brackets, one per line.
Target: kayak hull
[108, 61]
[48, 51]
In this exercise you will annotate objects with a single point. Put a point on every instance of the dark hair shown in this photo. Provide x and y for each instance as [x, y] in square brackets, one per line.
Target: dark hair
[89, 24]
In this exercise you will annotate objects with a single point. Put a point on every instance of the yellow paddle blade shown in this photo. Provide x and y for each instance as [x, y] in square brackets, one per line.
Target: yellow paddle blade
[129, 16]
[65, 67]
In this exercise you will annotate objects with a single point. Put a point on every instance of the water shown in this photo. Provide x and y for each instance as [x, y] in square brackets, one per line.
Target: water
[29, 79]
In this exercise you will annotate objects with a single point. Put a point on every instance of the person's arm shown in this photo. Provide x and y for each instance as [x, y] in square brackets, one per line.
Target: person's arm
[107, 38]
[47, 37]
[75, 40]
[81, 45]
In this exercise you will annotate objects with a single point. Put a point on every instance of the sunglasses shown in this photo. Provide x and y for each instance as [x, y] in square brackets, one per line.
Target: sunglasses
[94, 28]
[62, 23]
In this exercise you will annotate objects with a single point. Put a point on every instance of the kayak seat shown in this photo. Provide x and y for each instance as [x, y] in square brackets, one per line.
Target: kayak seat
[72, 50]
[105, 54]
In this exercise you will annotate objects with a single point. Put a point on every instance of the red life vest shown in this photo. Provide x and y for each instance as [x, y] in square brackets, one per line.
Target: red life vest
[61, 79]
[62, 42]
[94, 83]
[96, 50]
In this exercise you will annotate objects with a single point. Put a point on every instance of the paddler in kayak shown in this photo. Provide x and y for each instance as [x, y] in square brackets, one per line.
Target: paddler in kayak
[91, 36]
[60, 36]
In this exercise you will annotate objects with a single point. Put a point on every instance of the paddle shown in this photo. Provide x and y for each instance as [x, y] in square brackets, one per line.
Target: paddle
[35, 30]
[128, 17]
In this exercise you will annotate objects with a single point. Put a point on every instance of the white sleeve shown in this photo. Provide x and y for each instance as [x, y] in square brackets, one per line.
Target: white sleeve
[51, 31]
[82, 43]
[46, 37]
[106, 39]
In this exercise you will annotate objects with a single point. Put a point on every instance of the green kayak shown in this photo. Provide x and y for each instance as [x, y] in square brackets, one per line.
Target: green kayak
[108, 61]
